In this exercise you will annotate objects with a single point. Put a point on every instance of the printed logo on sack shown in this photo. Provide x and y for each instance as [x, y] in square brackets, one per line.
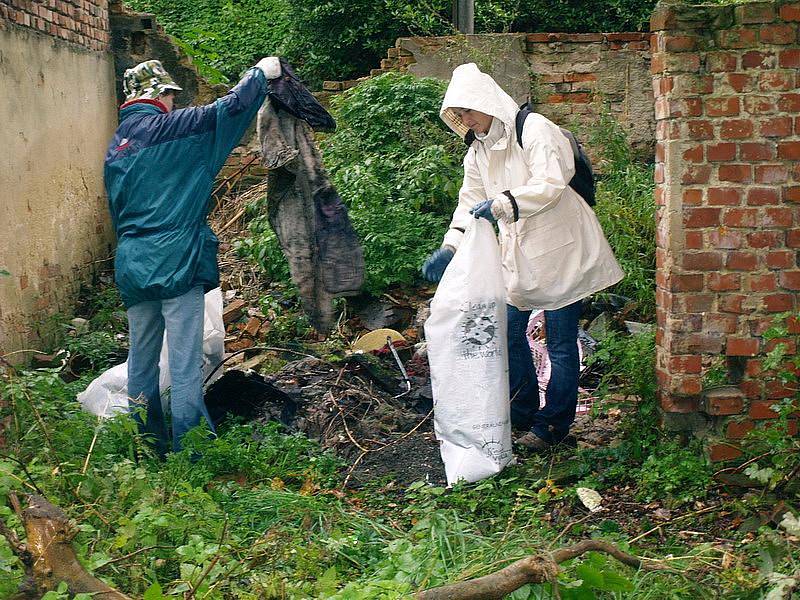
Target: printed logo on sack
[495, 450]
[479, 330]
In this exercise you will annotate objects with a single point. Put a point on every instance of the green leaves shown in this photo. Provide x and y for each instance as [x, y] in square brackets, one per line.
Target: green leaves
[626, 211]
[674, 474]
[153, 592]
[397, 169]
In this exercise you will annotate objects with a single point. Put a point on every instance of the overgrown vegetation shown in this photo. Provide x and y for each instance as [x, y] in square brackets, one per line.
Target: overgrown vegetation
[260, 513]
[343, 39]
[626, 211]
[774, 450]
[398, 168]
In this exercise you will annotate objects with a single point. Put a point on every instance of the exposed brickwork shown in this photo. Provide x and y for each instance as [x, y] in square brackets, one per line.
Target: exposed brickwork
[82, 22]
[568, 72]
[728, 219]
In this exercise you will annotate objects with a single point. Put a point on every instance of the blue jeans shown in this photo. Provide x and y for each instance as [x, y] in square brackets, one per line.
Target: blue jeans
[552, 422]
[182, 317]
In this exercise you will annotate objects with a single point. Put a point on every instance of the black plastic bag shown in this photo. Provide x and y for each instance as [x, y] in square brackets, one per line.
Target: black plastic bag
[288, 93]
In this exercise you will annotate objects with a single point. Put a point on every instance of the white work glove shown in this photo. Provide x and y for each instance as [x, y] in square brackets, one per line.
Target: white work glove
[270, 66]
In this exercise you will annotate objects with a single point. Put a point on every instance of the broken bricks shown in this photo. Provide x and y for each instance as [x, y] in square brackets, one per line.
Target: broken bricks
[233, 312]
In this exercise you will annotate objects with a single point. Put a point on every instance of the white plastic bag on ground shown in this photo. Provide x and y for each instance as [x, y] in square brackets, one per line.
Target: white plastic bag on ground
[107, 395]
[466, 336]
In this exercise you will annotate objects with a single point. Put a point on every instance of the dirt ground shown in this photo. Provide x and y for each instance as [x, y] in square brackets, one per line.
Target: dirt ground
[355, 407]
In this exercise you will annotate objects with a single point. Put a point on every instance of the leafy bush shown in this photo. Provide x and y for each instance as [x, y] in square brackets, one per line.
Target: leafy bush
[628, 366]
[336, 39]
[223, 37]
[626, 211]
[774, 448]
[262, 246]
[673, 473]
[433, 17]
[398, 170]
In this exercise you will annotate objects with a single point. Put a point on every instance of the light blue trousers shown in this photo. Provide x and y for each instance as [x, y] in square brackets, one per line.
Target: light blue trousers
[182, 318]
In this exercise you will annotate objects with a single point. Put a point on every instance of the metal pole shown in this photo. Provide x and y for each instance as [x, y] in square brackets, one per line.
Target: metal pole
[464, 15]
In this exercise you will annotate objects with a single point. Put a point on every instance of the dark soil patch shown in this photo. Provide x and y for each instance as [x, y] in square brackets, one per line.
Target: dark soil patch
[413, 458]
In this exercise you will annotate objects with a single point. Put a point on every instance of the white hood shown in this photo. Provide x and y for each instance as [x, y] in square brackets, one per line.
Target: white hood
[472, 89]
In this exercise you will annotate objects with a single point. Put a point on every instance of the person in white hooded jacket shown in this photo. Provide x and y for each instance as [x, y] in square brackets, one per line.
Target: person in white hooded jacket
[553, 249]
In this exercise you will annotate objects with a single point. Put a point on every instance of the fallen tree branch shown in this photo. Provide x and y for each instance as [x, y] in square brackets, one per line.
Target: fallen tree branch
[51, 555]
[532, 569]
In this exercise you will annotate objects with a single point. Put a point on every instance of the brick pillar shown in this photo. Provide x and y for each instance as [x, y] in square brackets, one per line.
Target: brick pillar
[728, 207]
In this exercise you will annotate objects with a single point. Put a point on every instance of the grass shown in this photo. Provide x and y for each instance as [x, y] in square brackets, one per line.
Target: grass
[626, 211]
[261, 513]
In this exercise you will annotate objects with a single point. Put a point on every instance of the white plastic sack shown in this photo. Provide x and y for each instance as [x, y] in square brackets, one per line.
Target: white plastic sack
[466, 336]
[108, 393]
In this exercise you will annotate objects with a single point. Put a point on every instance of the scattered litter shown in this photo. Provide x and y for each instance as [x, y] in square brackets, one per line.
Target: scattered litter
[375, 340]
[541, 359]
[249, 396]
[590, 499]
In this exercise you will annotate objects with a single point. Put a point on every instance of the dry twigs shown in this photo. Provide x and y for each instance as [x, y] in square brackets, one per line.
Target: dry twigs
[538, 568]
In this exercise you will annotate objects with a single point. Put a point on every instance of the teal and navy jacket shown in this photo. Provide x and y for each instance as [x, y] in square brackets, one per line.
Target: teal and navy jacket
[159, 172]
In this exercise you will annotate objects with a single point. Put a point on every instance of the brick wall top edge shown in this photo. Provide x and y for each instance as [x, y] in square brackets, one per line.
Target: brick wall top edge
[97, 41]
[692, 16]
[625, 36]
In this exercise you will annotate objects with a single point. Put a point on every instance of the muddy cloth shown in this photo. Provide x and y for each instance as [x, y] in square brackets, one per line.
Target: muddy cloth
[308, 216]
[288, 93]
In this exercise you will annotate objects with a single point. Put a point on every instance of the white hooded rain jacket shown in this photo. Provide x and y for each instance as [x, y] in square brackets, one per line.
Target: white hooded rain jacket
[554, 251]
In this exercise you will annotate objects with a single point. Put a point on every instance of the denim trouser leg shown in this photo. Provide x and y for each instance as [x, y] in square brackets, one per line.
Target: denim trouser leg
[146, 332]
[183, 318]
[552, 422]
[523, 384]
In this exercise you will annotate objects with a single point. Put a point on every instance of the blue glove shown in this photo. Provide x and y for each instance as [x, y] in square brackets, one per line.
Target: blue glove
[437, 262]
[483, 210]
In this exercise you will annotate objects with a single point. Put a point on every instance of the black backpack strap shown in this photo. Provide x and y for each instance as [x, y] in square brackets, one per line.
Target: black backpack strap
[576, 151]
[522, 114]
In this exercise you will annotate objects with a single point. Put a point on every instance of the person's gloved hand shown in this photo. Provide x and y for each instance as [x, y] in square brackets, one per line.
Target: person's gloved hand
[270, 66]
[483, 210]
[437, 262]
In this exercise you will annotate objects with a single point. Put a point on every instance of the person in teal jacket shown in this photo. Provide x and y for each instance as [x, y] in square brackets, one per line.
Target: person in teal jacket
[159, 171]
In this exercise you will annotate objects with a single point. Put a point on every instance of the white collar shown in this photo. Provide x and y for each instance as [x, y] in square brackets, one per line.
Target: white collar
[495, 134]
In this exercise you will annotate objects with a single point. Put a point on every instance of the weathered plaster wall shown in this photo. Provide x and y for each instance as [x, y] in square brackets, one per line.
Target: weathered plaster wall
[58, 113]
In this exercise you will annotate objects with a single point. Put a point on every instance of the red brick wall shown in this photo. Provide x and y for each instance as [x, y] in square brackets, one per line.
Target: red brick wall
[83, 22]
[728, 205]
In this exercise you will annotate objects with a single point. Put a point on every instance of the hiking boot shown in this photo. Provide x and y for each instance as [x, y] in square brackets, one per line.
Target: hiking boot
[532, 442]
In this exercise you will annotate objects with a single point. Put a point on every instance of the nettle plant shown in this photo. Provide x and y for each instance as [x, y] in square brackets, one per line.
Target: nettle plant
[775, 448]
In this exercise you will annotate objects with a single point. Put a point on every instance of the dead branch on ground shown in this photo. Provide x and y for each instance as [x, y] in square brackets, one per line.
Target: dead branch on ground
[49, 557]
[538, 568]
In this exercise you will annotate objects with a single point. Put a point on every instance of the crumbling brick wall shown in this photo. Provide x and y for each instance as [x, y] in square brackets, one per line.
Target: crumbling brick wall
[569, 76]
[728, 209]
[57, 106]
